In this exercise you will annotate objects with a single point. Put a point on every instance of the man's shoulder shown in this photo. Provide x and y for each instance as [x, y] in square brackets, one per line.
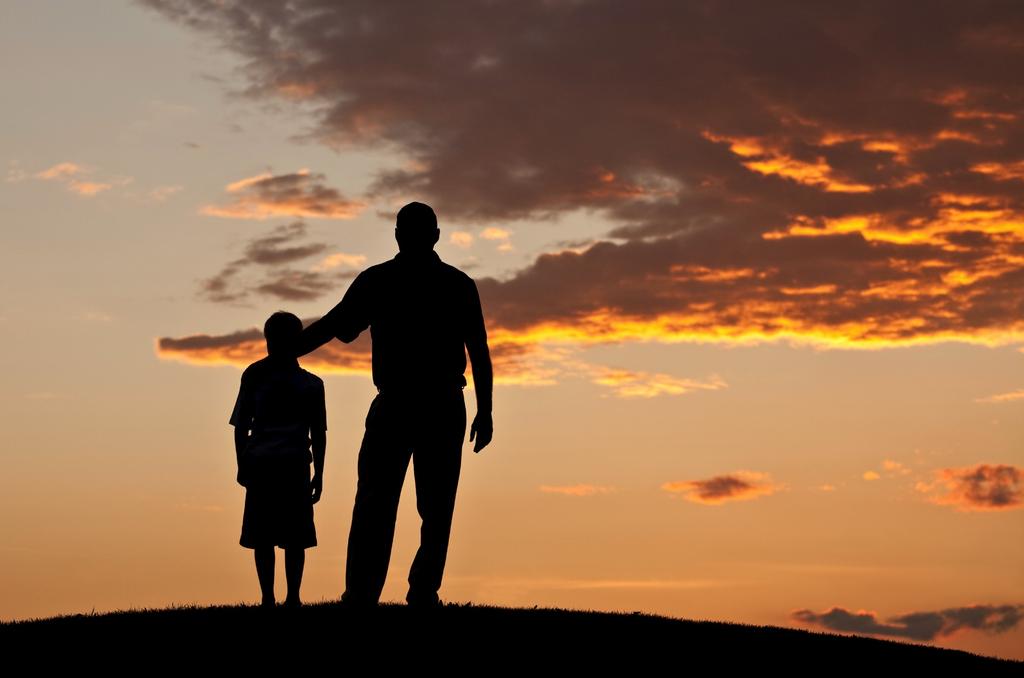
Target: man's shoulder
[456, 274]
[366, 278]
[374, 270]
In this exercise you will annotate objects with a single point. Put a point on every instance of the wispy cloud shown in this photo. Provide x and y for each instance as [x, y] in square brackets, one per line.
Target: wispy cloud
[639, 384]
[299, 194]
[1002, 397]
[582, 490]
[162, 193]
[927, 625]
[60, 171]
[548, 583]
[71, 175]
[271, 255]
[893, 467]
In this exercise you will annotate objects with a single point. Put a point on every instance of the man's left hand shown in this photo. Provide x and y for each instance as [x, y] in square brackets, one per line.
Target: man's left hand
[482, 430]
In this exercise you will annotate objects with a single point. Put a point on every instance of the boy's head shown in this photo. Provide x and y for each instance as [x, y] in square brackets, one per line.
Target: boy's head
[282, 331]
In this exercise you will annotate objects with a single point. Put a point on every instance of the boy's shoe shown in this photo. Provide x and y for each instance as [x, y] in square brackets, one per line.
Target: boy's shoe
[292, 604]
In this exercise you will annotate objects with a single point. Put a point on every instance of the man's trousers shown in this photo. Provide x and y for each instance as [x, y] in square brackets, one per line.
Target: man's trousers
[429, 427]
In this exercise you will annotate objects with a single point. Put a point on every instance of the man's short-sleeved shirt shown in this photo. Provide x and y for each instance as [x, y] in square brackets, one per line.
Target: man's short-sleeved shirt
[280, 403]
[421, 313]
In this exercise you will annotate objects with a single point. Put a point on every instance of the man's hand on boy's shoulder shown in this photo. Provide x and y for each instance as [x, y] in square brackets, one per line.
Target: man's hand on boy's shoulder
[318, 487]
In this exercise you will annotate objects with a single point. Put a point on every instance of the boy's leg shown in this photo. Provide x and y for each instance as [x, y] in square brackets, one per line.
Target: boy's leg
[382, 464]
[294, 561]
[264, 556]
[436, 467]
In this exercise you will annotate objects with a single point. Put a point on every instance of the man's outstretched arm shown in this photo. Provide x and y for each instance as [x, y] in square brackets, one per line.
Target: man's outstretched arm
[483, 375]
[314, 336]
[345, 321]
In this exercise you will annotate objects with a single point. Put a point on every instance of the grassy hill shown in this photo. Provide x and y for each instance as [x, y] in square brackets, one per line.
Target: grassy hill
[461, 639]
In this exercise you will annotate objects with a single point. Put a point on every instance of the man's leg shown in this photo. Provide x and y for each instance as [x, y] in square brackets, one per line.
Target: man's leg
[382, 465]
[436, 465]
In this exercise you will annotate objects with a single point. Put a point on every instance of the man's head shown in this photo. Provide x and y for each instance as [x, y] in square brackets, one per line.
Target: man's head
[416, 228]
[282, 331]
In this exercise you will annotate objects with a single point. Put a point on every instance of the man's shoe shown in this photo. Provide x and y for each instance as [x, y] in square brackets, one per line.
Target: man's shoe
[424, 602]
[354, 602]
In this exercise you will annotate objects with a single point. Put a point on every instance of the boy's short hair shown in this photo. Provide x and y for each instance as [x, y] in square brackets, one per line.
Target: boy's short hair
[282, 331]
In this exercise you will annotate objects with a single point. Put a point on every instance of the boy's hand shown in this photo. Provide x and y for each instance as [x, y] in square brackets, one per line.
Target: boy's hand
[240, 477]
[318, 487]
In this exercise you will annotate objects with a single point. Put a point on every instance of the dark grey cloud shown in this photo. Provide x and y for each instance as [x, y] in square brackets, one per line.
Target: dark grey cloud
[511, 360]
[277, 247]
[918, 625]
[269, 256]
[863, 161]
[740, 485]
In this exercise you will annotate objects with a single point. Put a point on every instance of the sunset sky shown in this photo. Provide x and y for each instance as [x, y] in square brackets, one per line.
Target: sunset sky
[752, 274]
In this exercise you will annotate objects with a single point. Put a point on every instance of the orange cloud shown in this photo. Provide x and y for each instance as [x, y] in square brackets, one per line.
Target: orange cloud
[766, 160]
[88, 188]
[461, 239]
[1002, 171]
[1002, 397]
[582, 490]
[737, 486]
[60, 171]
[895, 467]
[67, 173]
[637, 384]
[300, 194]
[982, 487]
[340, 259]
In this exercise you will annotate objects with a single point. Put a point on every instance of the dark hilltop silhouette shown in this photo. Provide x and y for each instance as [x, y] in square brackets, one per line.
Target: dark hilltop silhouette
[467, 638]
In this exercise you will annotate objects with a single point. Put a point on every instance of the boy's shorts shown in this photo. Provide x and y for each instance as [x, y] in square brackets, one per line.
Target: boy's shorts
[278, 504]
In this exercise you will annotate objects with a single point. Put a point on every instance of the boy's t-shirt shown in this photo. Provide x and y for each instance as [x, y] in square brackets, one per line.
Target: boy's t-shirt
[279, 402]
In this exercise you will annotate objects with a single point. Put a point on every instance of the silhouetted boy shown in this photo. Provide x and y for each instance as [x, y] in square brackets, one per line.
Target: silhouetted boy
[283, 406]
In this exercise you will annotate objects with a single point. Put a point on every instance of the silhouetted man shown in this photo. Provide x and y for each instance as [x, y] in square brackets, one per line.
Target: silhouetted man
[423, 316]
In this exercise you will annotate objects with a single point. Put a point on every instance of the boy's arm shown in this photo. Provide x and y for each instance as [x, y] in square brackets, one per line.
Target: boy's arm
[241, 439]
[241, 419]
[319, 439]
[318, 436]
